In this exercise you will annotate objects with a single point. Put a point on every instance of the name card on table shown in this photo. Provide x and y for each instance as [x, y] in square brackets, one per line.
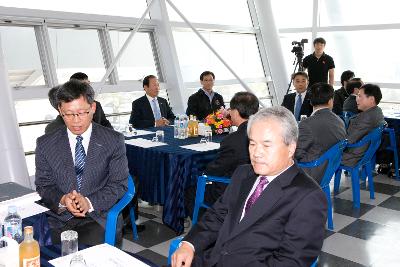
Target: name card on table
[102, 255]
[140, 142]
[202, 147]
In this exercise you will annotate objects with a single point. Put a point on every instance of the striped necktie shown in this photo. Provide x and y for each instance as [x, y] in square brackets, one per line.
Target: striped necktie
[256, 194]
[297, 107]
[79, 161]
[156, 110]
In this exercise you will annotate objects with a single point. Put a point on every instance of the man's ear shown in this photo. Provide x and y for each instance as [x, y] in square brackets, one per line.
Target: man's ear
[292, 149]
[93, 107]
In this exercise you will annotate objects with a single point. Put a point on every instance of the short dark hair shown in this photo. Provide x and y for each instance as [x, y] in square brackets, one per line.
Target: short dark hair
[146, 80]
[52, 94]
[372, 90]
[205, 73]
[319, 40]
[346, 76]
[79, 76]
[245, 103]
[300, 73]
[74, 89]
[353, 84]
[321, 93]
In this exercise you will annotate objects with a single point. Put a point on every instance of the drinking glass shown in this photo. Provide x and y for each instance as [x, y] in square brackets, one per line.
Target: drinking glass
[203, 141]
[160, 136]
[77, 261]
[208, 135]
[69, 242]
[154, 139]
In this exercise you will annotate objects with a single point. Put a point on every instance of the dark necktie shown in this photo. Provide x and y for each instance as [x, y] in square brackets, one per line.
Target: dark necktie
[256, 194]
[297, 107]
[156, 110]
[79, 161]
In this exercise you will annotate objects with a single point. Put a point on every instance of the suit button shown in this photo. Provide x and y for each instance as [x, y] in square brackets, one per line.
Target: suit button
[224, 253]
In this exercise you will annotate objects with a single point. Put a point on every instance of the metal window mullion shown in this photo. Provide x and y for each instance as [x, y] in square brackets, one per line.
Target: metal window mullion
[156, 57]
[108, 53]
[46, 55]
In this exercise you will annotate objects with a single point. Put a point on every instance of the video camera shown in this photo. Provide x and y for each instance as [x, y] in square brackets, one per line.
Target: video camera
[298, 48]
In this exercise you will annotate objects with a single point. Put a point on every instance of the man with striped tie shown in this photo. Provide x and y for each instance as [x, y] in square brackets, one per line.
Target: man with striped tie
[81, 168]
[271, 214]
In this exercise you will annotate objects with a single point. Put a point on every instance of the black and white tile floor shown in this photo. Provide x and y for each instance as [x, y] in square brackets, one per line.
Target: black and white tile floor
[369, 236]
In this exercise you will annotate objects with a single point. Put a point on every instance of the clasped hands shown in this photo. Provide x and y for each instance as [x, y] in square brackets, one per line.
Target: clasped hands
[76, 203]
[162, 122]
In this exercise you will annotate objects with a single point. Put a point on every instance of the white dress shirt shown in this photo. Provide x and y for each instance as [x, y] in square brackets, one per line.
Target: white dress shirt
[151, 105]
[303, 95]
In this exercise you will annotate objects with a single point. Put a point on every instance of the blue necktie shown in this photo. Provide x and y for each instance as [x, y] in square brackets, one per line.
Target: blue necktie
[79, 161]
[297, 107]
[156, 110]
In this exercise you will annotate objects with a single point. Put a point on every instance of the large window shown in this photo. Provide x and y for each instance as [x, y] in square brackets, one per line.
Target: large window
[240, 51]
[292, 13]
[77, 50]
[23, 64]
[229, 12]
[137, 61]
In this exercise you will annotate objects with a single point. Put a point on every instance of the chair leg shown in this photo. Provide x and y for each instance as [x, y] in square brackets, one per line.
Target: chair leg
[338, 175]
[370, 181]
[133, 222]
[327, 191]
[355, 182]
[201, 186]
[396, 164]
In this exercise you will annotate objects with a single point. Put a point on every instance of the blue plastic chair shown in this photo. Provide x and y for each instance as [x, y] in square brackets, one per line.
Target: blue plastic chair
[112, 217]
[333, 156]
[393, 147]
[201, 187]
[364, 165]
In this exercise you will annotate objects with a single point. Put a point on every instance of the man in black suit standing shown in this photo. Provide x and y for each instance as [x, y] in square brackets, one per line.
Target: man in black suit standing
[299, 102]
[81, 168]
[320, 131]
[271, 214]
[98, 117]
[151, 110]
[233, 149]
[205, 101]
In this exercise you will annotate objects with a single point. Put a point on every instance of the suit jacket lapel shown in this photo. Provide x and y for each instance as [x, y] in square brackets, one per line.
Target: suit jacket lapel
[67, 163]
[264, 205]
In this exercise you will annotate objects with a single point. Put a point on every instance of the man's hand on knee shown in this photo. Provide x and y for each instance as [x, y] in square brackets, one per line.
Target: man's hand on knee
[183, 256]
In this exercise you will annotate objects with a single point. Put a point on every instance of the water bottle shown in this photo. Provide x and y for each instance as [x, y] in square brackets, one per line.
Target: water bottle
[176, 127]
[13, 224]
[182, 128]
[185, 125]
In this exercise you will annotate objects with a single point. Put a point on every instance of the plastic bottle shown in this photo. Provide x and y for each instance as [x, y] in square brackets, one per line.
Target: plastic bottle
[13, 224]
[29, 251]
[181, 129]
[176, 127]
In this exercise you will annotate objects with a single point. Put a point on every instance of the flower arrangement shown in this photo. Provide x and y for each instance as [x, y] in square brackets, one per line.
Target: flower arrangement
[218, 122]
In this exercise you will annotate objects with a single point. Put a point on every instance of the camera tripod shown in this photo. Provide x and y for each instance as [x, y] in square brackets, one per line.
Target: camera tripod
[298, 66]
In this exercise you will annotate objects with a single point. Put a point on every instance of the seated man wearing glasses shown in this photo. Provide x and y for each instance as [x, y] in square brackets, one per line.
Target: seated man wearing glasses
[98, 117]
[81, 168]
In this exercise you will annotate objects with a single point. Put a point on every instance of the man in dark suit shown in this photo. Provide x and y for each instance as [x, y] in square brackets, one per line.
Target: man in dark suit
[341, 94]
[299, 103]
[205, 101]
[320, 131]
[81, 168]
[151, 110]
[352, 87]
[369, 118]
[98, 117]
[233, 149]
[271, 214]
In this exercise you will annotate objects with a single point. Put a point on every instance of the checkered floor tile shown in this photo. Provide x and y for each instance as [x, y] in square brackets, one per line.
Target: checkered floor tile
[368, 236]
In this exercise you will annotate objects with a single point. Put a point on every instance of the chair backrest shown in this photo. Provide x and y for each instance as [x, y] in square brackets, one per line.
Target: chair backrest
[333, 155]
[373, 140]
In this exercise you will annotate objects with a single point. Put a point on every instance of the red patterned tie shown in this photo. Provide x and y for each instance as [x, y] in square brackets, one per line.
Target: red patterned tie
[256, 194]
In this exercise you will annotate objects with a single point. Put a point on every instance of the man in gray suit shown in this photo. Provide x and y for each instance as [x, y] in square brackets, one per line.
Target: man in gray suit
[364, 122]
[81, 168]
[320, 131]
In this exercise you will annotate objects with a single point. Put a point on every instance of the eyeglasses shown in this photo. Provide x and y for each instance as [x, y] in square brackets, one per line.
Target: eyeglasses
[80, 115]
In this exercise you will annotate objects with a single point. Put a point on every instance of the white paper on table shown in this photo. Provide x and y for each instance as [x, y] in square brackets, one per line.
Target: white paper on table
[137, 133]
[103, 255]
[202, 147]
[140, 142]
[25, 204]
